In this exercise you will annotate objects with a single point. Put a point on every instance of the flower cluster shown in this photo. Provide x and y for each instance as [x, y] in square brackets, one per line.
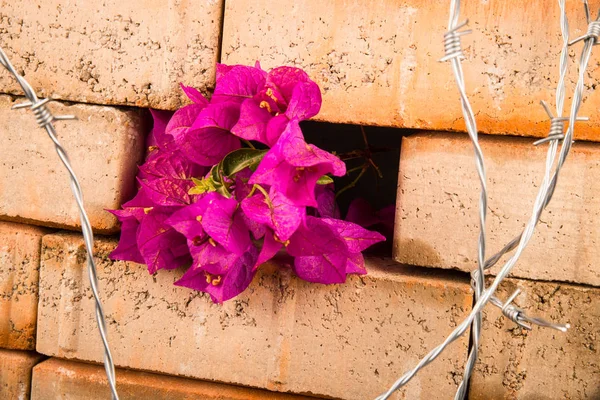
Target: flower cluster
[207, 203]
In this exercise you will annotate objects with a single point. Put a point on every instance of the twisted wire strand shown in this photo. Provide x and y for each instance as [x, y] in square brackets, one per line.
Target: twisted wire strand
[454, 54]
[44, 118]
[544, 195]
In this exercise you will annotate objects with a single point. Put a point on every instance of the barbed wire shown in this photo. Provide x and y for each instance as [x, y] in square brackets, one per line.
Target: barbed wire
[547, 188]
[44, 119]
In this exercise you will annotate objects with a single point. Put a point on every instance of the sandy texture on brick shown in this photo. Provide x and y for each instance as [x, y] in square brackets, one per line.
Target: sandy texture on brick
[56, 378]
[438, 199]
[542, 363]
[20, 247]
[105, 145]
[112, 52]
[15, 373]
[377, 61]
[348, 341]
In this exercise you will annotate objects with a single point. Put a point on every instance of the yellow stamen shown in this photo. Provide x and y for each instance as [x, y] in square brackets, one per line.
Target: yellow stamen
[264, 104]
[216, 281]
[271, 95]
[199, 218]
[147, 210]
[152, 148]
[212, 242]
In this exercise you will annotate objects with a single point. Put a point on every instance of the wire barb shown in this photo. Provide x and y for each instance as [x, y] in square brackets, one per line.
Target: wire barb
[593, 31]
[452, 43]
[44, 119]
[518, 316]
[557, 126]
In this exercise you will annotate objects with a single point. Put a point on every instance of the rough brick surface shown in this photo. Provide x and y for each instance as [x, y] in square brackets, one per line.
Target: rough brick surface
[348, 341]
[19, 272]
[15, 373]
[542, 363]
[438, 198]
[56, 378]
[377, 61]
[112, 52]
[104, 146]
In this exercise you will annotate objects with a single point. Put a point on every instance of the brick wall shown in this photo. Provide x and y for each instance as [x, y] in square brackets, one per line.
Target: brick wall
[376, 63]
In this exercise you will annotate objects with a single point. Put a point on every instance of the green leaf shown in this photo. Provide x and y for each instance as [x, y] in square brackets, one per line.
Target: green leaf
[325, 180]
[202, 186]
[239, 160]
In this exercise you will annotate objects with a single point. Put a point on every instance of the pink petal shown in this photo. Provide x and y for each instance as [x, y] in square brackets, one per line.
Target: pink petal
[194, 95]
[225, 225]
[357, 238]
[326, 268]
[252, 124]
[269, 249]
[160, 245]
[305, 102]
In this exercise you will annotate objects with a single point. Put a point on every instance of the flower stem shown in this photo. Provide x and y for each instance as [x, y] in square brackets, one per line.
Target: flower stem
[248, 143]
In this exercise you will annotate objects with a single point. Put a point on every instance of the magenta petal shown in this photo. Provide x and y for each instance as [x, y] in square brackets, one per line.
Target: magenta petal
[284, 80]
[222, 281]
[293, 167]
[305, 102]
[356, 264]
[300, 154]
[252, 124]
[275, 128]
[222, 70]
[357, 238]
[225, 225]
[208, 140]
[127, 249]
[326, 268]
[171, 165]
[281, 215]
[182, 120]
[194, 95]
[187, 221]
[326, 204]
[238, 83]
[315, 237]
[160, 245]
[168, 192]
[269, 249]
[158, 136]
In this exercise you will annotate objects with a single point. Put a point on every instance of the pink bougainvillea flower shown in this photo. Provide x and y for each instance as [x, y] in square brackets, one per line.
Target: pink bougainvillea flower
[160, 245]
[158, 139]
[187, 221]
[327, 249]
[194, 95]
[237, 83]
[293, 167]
[127, 249]
[356, 237]
[166, 179]
[320, 253]
[207, 139]
[269, 249]
[223, 222]
[326, 205]
[224, 278]
[288, 94]
[275, 211]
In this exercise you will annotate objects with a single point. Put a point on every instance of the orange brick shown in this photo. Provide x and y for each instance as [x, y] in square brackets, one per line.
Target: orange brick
[112, 52]
[438, 198]
[377, 62]
[57, 378]
[15, 373]
[346, 341]
[104, 145]
[542, 363]
[20, 247]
